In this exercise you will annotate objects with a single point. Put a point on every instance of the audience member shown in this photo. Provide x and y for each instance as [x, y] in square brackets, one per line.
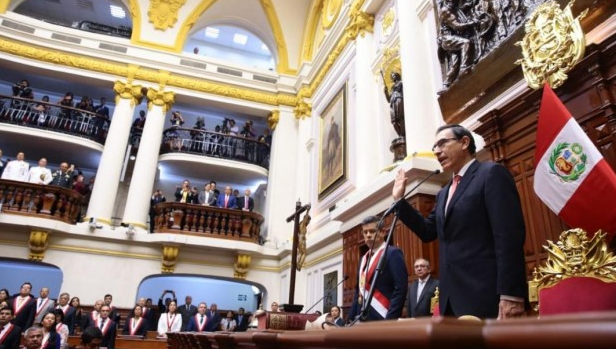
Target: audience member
[228, 323]
[136, 325]
[207, 196]
[79, 319]
[2, 164]
[91, 338]
[41, 110]
[33, 338]
[65, 113]
[200, 322]
[187, 310]
[156, 199]
[227, 200]
[183, 193]
[63, 176]
[197, 136]
[336, 314]
[162, 308]
[44, 305]
[17, 170]
[214, 316]
[10, 335]
[241, 321]
[61, 328]
[95, 314]
[24, 307]
[102, 116]
[139, 122]
[23, 90]
[213, 188]
[113, 312]
[69, 312]
[246, 203]
[40, 174]
[169, 321]
[107, 326]
[4, 295]
[421, 290]
[51, 339]
[274, 307]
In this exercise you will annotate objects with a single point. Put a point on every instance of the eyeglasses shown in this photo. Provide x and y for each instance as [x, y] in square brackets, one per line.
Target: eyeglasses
[421, 266]
[441, 143]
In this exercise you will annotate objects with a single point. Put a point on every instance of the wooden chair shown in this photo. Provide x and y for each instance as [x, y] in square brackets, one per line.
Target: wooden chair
[579, 275]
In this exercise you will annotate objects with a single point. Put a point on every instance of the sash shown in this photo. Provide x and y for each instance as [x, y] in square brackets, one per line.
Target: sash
[170, 321]
[8, 328]
[59, 327]
[45, 340]
[38, 309]
[105, 327]
[144, 312]
[64, 308]
[134, 326]
[200, 326]
[380, 303]
[94, 315]
[20, 307]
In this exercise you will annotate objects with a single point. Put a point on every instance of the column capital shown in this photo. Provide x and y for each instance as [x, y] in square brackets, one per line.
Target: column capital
[360, 22]
[273, 118]
[126, 90]
[160, 98]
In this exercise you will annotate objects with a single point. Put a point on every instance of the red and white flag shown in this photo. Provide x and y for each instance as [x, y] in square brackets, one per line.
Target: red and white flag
[571, 177]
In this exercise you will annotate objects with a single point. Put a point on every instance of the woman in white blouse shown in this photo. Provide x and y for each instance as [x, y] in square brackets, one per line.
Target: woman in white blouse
[61, 328]
[170, 321]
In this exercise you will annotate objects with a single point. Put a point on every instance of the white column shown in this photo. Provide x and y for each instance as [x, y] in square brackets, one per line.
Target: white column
[282, 186]
[110, 167]
[144, 174]
[363, 119]
[420, 107]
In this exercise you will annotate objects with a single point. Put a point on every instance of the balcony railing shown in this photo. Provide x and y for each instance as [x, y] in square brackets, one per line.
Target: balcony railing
[38, 200]
[214, 144]
[52, 117]
[175, 217]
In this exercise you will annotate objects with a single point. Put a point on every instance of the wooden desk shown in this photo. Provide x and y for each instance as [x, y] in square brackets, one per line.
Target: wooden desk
[127, 342]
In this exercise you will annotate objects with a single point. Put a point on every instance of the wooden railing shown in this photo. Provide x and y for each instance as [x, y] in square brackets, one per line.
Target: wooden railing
[53, 117]
[38, 200]
[175, 217]
[215, 144]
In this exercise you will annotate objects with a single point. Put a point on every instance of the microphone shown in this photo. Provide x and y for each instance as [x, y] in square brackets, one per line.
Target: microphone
[397, 202]
[345, 278]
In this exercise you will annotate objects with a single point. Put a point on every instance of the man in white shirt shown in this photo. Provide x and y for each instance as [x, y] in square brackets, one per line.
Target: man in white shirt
[207, 196]
[17, 170]
[40, 174]
[421, 290]
[43, 305]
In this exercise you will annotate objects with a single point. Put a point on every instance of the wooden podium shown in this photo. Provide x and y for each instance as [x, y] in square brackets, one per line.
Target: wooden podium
[283, 321]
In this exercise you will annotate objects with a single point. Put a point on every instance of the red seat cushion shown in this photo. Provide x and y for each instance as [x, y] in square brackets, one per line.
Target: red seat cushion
[577, 294]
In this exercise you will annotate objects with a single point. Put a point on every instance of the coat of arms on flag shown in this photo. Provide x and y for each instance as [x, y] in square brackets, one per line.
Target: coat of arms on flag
[568, 161]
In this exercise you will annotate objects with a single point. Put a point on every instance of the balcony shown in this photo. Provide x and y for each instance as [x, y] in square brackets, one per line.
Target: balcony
[51, 117]
[38, 200]
[215, 145]
[198, 220]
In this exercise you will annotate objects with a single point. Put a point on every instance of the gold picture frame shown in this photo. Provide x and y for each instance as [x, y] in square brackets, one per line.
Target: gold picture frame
[333, 145]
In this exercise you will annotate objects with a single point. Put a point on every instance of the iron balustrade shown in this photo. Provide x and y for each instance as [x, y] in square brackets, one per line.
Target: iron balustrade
[53, 117]
[40, 200]
[215, 144]
[200, 220]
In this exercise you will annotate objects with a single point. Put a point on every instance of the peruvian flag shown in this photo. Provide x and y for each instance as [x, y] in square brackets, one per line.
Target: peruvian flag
[571, 176]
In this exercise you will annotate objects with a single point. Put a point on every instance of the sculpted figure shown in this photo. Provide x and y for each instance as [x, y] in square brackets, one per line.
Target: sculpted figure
[396, 104]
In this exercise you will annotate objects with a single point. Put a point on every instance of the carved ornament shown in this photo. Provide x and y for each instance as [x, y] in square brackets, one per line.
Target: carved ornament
[241, 265]
[553, 44]
[38, 243]
[164, 13]
[574, 255]
[387, 25]
[361, 22]
[126, 90]
[273, 118]
[331, 9]
[169, 258]
[160, 98]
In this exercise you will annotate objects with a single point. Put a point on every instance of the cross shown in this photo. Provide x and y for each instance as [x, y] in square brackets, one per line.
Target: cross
[299, 209]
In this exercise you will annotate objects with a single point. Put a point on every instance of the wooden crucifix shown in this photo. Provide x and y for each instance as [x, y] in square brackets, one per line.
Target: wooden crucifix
[299, 209]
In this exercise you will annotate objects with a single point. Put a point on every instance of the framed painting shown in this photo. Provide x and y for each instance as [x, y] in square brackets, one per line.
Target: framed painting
[330, 280]
[333, 145]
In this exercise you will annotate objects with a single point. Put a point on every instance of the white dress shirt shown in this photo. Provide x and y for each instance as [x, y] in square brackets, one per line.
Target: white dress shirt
[39, 175]
[16, 170]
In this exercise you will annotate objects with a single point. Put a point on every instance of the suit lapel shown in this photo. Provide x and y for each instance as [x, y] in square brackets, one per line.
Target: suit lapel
[464, 183]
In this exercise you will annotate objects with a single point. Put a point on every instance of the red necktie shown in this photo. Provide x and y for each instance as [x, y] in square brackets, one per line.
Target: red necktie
[246, 202]
[452, 189]
[226, 200]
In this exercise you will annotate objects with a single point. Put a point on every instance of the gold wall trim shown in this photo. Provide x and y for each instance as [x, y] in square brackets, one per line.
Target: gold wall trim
[310, 30]
[14, 243]
[104, 252]
[163, 14]
[4, 5]
[144, 74]
[281, 44]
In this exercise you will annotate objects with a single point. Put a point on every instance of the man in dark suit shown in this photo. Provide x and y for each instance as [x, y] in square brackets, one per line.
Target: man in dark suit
[207, 196]
[24, 307]
[201, 322]
[113, 311]
[246, 203]
[421, 290]
[156, 199]
[107, 326]
[214, 316]
[187, 310]
[479, 224]
[227, 200]
[10, 335]
[69, 312]
[392, 283]
[241, 319]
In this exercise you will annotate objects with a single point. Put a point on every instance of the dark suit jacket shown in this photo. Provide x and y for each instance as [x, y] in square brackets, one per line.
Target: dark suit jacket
[2, 167]
[12, 339]
[186, 314]
[210, 325]
[215, 318]
[70, 319]
[481, 240]
[155, 200]
[25, 317]
[109, 336]
[242, 325]
[232, 203]
[339, 322]
[421, 307]
[392, 283]
[142, 330]
[241, 202]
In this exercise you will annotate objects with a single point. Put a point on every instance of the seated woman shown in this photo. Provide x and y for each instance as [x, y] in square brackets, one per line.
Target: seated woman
[228, 323]
[51, 338]
[169, 321]
[61, 328]
[136, 325]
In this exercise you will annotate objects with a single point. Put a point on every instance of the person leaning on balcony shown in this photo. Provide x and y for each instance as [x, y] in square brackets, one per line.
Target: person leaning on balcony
[207, 196]
[246, 203]
[40, 174]
[156, 199]
[227, 200]
[17, 170]
[63, 177]
[183, 194]
[175, 143]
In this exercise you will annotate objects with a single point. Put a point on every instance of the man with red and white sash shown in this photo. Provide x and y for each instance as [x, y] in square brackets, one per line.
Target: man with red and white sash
[392, 283]
[10, 335]
[200, 322]
[93, 317]
[24, 307]
[44, 305]
[68, 310]
[107, 326]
